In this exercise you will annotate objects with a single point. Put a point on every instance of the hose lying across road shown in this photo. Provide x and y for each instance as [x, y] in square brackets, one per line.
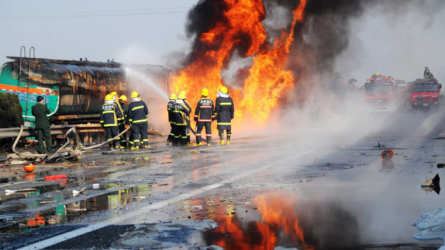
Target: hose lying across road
[78, 146]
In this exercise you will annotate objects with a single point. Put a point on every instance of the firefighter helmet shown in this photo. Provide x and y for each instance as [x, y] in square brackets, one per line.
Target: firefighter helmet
[182, 95]
[109, 97]
[114, 93]
[173, 96]
[223, 89]
[377, 74]
[205, 92]
[123, 98]
[134, 94]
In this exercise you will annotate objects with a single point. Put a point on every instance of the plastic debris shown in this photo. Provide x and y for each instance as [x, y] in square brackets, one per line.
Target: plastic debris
[25, 190]
[431, 182]
[75, 192]
[96, 185]
[55, 177]
[139, 198]
[387, 154]
[440, 165]
[305, 180]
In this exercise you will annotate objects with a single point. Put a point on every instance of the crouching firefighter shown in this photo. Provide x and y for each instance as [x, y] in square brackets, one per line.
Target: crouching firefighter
[109, 119]
[181, 111]
[171, 118]
[137, 116]
[204, 114]
[224, 112]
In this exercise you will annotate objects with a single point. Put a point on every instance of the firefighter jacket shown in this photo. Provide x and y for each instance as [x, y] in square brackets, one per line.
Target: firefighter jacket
[170, 109]
[188, 105]
[181, 112]
[204, 110]
[137, 111]
[110, 115]
[119, 107]
[427, 73]
[224, 109]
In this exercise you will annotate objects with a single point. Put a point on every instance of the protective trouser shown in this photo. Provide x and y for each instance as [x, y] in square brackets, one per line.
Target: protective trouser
[188, 130]
[171, 136]
[139, 135]
[208, 126]
[44, 134]
[112, 132]
[181, 135]
[221, 134]
[124, 136]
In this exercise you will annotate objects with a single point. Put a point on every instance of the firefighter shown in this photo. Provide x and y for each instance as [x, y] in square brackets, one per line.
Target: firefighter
[224, 112]
[122, 100]
[171, 118]
[204, 114]
[137, 116]
[183, 96]
[427, 73]
[109, 120]
[180, 111]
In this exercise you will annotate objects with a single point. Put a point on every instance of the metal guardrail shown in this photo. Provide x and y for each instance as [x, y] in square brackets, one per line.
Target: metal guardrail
[58, 130]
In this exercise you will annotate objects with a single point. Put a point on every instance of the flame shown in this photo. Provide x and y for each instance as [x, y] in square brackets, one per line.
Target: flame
[278, 215]
[267, 82]
[244, 17]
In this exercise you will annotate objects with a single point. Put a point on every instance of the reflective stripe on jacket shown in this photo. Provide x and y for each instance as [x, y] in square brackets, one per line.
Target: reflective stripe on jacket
[109, 115]
[224, 110]
[205, 110]
[137, 112]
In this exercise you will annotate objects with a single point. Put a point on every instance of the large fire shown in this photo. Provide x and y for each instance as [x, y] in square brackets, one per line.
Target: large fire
[267, 82]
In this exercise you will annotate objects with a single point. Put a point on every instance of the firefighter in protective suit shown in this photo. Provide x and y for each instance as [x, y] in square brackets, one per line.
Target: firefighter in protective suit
[109, 119]
[181, 112]
[122, 101]
[204, 114]
[224, 113]
[427, 73]
[183, 96]
[171, 118]
[137, 116]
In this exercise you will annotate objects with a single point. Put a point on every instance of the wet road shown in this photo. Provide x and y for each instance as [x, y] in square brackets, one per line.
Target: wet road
[304, 191]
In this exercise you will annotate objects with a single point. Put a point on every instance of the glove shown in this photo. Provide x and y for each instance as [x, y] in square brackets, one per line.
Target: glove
[196, 119]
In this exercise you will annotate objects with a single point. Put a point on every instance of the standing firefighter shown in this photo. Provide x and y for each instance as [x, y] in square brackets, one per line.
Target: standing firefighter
[180, 111]
[171, 118]
[183, 96]
[40, 111]
[137, 116]
[122, 101]
[109, 118]
[204, 114]
[427, 73]
[224, 112]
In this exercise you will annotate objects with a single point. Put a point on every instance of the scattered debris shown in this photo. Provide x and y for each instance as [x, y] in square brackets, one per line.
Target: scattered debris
[161, 184]
[194, 151]
[139, 198]
[117, 163]
[440, 165]
[55, 177]
[25, 190]
[305, 180]
[387, 154]
[95, 185]
[379, 145]
[431, 182]
[75, 192]
[29, 168]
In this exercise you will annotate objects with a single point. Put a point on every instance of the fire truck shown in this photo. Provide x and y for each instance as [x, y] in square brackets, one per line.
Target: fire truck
[385, 93]
[424, 93]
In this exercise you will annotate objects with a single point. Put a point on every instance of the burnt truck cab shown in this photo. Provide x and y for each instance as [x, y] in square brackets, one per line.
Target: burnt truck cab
[381, 93]
[424, 93]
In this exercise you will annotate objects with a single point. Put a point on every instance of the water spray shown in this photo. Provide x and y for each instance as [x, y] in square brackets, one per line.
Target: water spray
[144, 79]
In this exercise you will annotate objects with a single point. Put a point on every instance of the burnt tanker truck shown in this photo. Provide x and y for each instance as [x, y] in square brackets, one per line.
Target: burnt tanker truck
[73, 90]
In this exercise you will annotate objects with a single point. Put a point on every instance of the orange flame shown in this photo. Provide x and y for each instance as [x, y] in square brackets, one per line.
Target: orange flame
[244, 17]
[267, 81]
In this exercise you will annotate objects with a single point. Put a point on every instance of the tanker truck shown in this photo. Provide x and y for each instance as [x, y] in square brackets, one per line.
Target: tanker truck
[73, 90]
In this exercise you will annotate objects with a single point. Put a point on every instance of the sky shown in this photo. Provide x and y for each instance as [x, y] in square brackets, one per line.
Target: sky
[133, 31]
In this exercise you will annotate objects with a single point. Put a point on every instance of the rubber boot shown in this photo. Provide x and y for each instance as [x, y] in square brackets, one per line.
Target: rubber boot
[198, 144]
[228, 143]
[221, 142]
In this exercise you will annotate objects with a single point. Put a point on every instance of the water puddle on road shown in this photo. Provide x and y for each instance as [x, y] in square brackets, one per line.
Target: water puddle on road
[76, 210]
